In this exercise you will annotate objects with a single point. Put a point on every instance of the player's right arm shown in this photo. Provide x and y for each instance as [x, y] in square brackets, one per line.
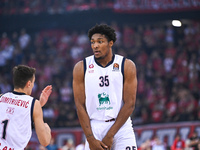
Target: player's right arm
[79, 97]
[44, 96]
[42, 129]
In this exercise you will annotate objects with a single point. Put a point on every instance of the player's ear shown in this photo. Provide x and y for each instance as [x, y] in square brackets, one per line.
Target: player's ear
[111, 43]
[28, 84]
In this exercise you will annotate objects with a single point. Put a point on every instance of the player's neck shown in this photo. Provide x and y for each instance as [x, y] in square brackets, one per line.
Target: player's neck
[104, 61]
[20, 90]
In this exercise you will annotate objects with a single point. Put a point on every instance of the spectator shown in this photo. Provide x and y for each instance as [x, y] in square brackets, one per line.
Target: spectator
[194, 141]
[81, 146]
[41, 147]
[66, 92]
[69, 145]
[157, 144]
[24, 39]
[178, 143]
[171, 109]
[5, 86]
[146, 145]
[4, 40]
[52, 145]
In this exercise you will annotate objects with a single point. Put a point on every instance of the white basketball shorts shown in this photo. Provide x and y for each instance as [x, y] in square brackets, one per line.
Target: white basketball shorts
[124, 139]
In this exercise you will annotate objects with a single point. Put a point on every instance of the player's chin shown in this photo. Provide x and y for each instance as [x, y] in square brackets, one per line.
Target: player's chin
[97, 57]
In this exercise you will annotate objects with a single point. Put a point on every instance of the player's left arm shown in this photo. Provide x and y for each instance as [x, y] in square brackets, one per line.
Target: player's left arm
[129, 98]
[42, 129]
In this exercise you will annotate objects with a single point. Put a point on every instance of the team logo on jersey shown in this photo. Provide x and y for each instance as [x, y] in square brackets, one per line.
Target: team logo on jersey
[91, 66]
[116, 67]
[10, 110]
[103, 98]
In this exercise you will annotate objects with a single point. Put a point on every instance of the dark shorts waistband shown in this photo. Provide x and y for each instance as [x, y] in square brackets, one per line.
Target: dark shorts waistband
[113, 119]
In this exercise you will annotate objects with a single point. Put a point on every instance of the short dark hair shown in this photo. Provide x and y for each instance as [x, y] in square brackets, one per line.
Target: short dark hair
[103, 29]
[22, 74]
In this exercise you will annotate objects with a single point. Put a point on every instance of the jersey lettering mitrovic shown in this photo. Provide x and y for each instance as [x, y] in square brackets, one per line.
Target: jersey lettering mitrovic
[16, 111]
[104, 87]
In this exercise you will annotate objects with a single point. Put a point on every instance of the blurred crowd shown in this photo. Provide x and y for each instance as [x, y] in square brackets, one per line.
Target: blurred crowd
[10, 7]
[191, 143]
[13, 7]
[166, 5]
[67, 145]
[167, 61]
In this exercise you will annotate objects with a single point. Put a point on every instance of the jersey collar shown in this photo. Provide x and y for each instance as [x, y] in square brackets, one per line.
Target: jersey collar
[113, 57]
[18, 93]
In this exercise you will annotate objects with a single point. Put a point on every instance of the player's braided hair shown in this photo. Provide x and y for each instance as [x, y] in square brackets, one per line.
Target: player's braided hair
[103, 29]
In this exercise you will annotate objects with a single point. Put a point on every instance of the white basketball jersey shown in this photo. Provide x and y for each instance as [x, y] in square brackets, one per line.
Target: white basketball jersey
[16, 111]
[104, 87]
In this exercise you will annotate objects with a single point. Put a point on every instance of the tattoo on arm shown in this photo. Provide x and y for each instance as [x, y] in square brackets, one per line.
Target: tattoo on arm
[89, 135]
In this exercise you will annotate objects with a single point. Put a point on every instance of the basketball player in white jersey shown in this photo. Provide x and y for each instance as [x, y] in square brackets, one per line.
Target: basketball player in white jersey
[18, 111]
[104, 86]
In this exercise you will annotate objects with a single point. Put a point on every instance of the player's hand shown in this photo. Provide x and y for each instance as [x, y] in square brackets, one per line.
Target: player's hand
[108, 141]
[45, 95]
[97, 145]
